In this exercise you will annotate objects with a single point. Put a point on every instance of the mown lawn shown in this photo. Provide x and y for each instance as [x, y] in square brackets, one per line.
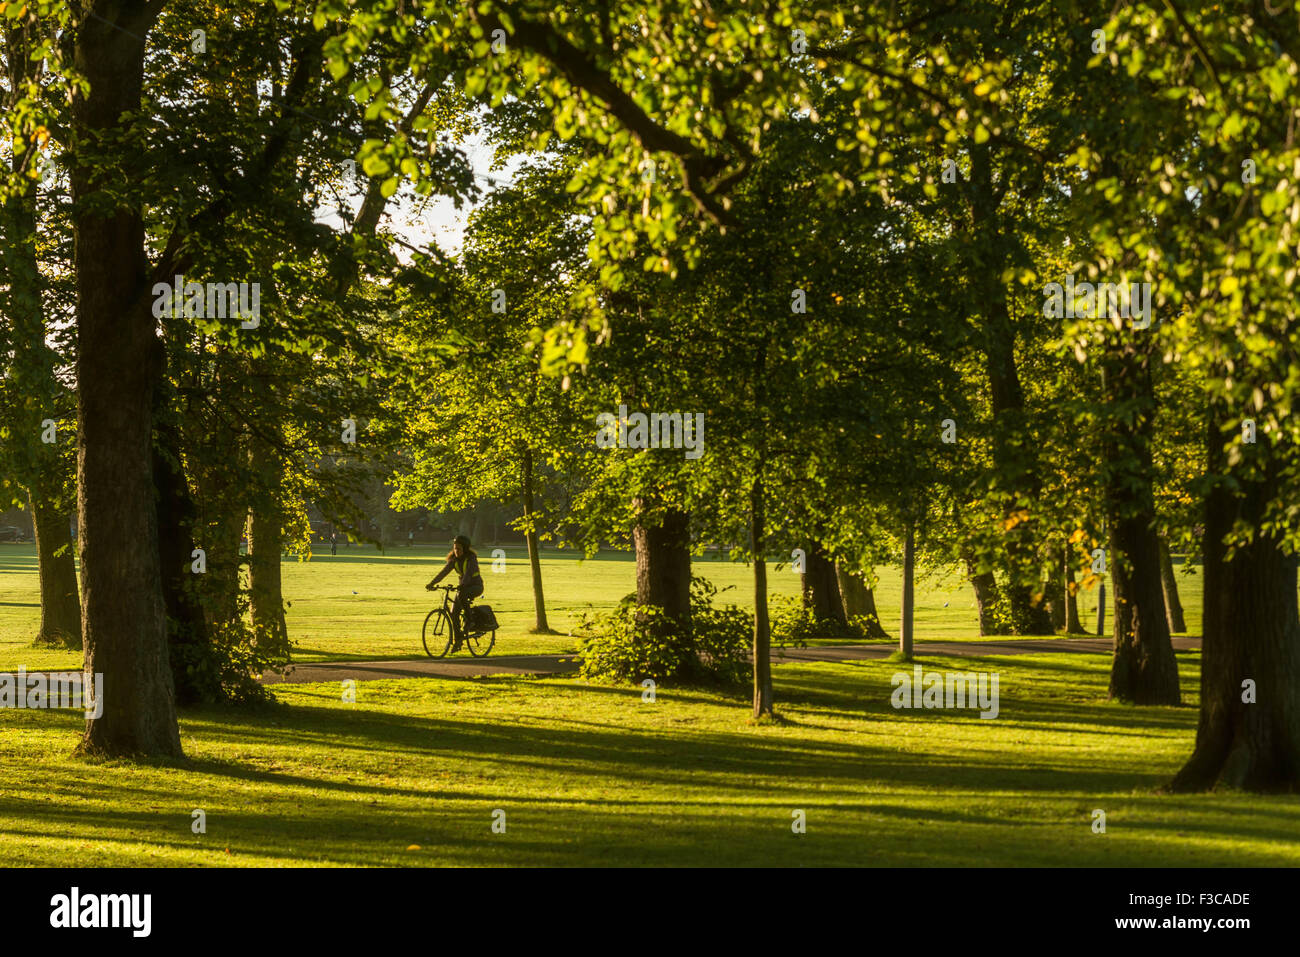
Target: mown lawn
[595, 776]
[361, 604]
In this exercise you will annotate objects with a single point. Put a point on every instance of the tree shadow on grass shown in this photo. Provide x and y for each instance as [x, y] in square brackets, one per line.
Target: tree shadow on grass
[629, 829]
[848, 697]
[684, 757]
[597, 792]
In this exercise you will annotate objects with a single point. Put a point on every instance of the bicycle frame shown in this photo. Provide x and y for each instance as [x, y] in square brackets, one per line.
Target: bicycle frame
[447, 605]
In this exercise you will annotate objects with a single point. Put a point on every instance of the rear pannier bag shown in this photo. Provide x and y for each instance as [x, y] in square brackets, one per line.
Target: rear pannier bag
[481, 618]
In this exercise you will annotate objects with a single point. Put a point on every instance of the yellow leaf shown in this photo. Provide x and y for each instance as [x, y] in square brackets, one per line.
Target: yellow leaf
[1015, 518]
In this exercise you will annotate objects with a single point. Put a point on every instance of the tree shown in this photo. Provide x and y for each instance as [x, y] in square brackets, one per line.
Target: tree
[123, 618]
[38, 405]
[1216, 173]
[491, 425]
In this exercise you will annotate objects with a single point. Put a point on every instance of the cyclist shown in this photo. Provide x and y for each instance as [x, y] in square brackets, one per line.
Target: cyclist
[465, 561]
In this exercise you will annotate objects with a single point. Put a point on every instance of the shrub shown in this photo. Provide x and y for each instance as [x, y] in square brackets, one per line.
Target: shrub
[223, 670]
[722, 635]
[793, 624]
[631, 643]
[636, 642]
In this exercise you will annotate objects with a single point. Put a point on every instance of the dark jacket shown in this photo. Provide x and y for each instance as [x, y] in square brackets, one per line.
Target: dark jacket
[466, 568]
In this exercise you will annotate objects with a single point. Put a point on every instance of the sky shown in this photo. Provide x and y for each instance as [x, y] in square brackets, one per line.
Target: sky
[437, 220]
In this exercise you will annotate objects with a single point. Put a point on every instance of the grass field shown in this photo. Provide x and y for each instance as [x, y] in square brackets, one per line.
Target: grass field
[414, 771]
[361, 604]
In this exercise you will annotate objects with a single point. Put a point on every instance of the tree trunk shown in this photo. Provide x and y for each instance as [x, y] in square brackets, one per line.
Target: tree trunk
[39, 468]
[987, 599]
[1251, 634]
[1173, 604]
[124, 624]
[265, 582]
[663, 561]
[1056, 582]
[859, 601]
[763, 699]
[541, 625]
[1027, 616]
[821, 589]
[1014, 449]
[909, 570]
[223, 520]
[1072, 624]
[264, 523]
[1144, 669]
[60, 604]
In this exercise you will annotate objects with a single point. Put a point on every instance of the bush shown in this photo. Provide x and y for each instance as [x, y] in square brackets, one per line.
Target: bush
[793, 624]
[223, 670]
[636, 642]
[631, 643]
[722, 635]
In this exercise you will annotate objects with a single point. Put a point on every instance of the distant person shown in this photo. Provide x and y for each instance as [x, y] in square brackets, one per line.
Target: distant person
[334, 542]
[465, 562]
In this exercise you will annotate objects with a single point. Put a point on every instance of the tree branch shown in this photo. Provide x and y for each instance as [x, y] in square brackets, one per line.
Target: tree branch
[583, 73]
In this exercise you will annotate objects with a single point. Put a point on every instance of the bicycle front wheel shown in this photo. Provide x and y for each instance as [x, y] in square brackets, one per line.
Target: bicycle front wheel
[480, 642]
[436, 634]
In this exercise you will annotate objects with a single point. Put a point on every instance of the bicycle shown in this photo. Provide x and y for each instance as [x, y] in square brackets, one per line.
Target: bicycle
[437, 633]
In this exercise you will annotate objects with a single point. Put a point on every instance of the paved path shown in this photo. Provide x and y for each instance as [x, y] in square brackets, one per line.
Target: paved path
[462, 666]
[466, 667]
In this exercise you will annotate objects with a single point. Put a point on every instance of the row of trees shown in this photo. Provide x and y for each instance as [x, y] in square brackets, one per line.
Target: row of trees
[828, 232]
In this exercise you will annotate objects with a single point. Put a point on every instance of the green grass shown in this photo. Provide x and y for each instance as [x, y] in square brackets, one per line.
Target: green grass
[592, 775]
[361, 604]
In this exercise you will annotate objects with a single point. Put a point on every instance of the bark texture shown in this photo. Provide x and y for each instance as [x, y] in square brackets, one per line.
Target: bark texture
[1173, 604]
[540, 623]
[1248, 735]
[663, 561]
[1144, 669]
[859, 601]
[820, 586]
[763, 702]
[124, 625]
[56, 561]
[909, 571]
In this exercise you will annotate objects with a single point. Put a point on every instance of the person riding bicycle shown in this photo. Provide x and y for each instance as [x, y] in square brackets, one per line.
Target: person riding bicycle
[465, 561]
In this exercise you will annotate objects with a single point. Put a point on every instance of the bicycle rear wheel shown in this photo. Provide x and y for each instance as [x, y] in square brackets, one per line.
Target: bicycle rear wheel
[436, 634]
[480, 642]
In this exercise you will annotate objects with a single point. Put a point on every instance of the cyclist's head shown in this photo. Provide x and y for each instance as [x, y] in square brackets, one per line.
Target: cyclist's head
[460, 544]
